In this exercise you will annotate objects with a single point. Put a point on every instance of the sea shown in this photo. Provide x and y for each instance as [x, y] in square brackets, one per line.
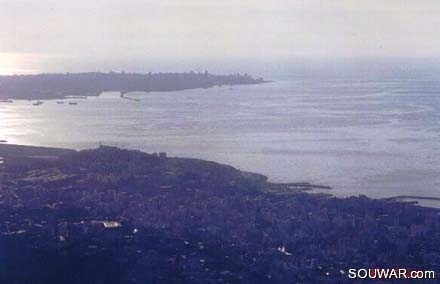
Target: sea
[364, 128]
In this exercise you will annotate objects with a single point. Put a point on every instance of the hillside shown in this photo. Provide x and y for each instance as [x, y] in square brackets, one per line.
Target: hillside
[119, 216]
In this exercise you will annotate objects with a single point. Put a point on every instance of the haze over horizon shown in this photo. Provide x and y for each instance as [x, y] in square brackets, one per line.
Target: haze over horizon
[193, 29]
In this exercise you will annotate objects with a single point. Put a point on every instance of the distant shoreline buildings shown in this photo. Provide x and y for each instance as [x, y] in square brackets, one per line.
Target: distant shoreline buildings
[57, 86]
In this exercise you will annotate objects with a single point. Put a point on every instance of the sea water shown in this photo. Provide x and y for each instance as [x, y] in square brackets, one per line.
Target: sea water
[378, 137]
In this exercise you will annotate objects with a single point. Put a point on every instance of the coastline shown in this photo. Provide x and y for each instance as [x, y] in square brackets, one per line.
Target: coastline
[143, 218]
[83, 85]
[14, 153]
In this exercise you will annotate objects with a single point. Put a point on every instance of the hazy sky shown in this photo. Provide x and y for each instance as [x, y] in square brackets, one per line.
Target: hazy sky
[221, 27]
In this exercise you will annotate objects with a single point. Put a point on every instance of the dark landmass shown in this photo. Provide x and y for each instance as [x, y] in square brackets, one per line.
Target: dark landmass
[403, 197]
[118, 216]
[56, 86]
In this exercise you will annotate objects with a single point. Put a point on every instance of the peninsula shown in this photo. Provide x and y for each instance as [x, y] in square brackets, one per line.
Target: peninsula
[110, 215]
[57, 86]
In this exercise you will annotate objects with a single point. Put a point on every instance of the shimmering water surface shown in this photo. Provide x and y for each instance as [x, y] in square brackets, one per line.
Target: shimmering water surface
[378, 138]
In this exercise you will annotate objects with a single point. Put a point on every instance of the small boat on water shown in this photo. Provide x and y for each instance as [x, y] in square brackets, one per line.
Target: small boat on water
[73, 103]
[37, 103]
[6, 101]
[60, 103]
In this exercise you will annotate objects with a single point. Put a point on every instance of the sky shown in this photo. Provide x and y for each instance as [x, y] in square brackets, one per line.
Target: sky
[213, 28]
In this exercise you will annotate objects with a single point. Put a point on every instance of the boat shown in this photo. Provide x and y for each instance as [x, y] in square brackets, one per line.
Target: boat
[6, 101]
[73, 103]
[60, 103]
[37, 103]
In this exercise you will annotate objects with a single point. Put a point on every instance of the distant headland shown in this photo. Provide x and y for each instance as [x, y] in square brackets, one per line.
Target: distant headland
[56, 86]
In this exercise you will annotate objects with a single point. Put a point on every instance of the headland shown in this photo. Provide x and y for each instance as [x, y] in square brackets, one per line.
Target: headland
[110, 215]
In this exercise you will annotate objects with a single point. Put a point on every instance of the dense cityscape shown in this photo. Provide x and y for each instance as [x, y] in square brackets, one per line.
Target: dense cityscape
[121, 216]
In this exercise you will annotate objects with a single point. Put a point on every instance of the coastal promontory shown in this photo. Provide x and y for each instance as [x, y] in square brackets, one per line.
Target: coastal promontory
[110, 215]
[56, 86]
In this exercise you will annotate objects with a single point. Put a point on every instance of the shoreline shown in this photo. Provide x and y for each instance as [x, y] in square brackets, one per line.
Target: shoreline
[87, 84]
[122, 95]
[187, 219]
[25, 152]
